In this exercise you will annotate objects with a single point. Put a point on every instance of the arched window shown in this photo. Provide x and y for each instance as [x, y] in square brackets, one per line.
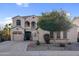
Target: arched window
[27, 24]
[18, 22]
[33, 24]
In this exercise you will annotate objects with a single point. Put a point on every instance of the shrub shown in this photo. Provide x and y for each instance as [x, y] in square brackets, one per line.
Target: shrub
[62, 45]
[69, 43]
[37, 43]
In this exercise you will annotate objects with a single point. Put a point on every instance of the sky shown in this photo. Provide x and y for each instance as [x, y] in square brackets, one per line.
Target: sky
[9, 10]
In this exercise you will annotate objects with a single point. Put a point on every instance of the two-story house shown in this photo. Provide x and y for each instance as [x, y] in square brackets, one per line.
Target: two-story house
[24, 28]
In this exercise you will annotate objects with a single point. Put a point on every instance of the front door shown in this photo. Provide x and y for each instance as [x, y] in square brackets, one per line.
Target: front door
[27, 35]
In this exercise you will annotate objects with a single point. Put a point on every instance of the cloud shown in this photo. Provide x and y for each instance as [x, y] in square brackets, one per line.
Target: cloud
[19, 4]
[68, 14]
[6, 20]
[22, 4]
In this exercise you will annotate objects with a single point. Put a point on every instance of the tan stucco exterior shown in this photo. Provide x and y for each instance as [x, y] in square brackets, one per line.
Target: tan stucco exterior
[38, 35]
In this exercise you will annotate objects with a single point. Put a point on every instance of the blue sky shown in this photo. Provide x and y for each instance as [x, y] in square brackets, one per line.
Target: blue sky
[8, 10]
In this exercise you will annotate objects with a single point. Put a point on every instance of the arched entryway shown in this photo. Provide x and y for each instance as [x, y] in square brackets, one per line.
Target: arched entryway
[27, 35]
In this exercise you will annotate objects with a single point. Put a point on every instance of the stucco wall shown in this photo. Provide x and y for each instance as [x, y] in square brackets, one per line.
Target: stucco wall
[72, 34]
[22, 27]
[41, 34]
[18, 18]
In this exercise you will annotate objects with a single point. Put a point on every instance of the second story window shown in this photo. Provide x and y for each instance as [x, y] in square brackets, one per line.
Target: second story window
[18, 22]
[33, 24]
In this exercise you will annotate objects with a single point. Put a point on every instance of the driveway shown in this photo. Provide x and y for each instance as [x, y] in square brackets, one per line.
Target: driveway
[18, 48]
[13, 47]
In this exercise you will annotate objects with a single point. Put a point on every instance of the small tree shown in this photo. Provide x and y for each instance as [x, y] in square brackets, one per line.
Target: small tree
[54, 21]
[6, 32]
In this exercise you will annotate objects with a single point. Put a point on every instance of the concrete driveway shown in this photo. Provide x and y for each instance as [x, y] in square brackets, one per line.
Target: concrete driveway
[13, 47]
[18, 48]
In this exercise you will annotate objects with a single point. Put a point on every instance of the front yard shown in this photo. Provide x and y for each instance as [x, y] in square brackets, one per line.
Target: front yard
[52, 47]
[21, 48]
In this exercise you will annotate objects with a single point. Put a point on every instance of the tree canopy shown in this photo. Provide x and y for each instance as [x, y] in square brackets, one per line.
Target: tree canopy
[5, 33]
[54, 21]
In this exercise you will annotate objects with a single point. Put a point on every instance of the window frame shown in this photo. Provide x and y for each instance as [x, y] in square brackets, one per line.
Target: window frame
[18, 22]
[51, 34]
[33, 24]
[58, 35]
[65, 35]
